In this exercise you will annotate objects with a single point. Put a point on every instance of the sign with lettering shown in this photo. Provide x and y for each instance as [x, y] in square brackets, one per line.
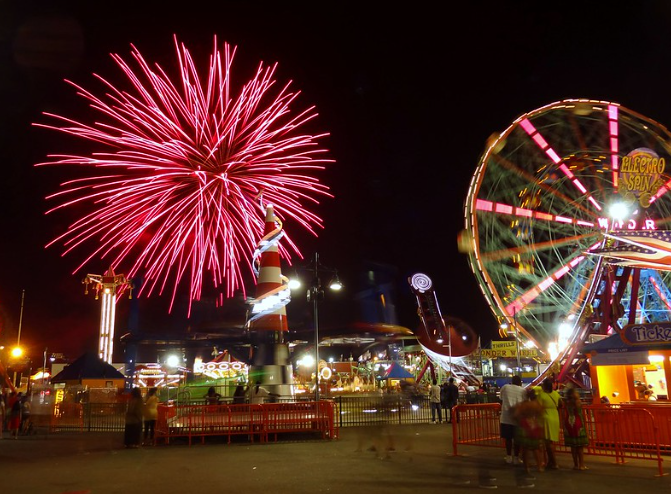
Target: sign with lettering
[646, 334]
[641, 174]
[504, 345]
[508, 353]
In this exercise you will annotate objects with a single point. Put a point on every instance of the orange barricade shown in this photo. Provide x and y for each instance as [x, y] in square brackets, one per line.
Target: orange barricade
[476, 425]
[209, 420]
[621, 431]
[256, 421]
[300, 417]
[67, 415]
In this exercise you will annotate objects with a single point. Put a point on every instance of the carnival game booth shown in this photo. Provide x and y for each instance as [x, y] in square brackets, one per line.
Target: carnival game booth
[623, 365]
[90, 371]
[395, 374]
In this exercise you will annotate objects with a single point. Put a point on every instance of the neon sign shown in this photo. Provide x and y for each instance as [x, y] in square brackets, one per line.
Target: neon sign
[611, 224]
[219, 370]
[641, 174]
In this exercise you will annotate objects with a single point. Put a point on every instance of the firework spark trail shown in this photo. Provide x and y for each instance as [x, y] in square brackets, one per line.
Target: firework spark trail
[175, 189]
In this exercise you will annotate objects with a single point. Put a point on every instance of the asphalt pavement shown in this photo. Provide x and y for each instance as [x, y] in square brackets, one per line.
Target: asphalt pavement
[397, 459]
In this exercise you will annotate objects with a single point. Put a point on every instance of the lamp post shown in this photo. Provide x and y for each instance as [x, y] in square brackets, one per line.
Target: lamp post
[517, 341]
[314, 294]
[18, 352]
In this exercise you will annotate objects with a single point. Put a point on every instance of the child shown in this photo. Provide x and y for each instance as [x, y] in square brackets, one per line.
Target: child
[529, 415]
[575, 436]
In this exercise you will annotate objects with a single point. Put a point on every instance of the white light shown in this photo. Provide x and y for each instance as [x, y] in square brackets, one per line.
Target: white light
[529, 344]
[656, 358]
[503, 367]
[335, 285]
[294, 284]
[308, 361]
[172, 361]
[553, 350]
[618, 211]
[565, 330]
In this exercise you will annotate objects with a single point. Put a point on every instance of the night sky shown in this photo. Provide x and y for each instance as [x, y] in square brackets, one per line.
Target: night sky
[409, 96]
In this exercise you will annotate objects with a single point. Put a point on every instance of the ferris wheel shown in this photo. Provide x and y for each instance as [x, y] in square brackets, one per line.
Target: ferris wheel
[542, 201]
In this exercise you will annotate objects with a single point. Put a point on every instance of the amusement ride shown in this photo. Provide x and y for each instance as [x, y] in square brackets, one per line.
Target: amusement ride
[565, 227]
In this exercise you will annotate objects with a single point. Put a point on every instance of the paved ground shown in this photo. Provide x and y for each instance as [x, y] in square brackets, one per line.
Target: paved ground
[422, 462]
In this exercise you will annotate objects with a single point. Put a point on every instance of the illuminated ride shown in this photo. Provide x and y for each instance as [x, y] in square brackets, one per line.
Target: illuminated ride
[543, 204]
[108, 285]
[445, 340]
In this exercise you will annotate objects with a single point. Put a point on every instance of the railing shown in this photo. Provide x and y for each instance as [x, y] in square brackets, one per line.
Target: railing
[623, 432]
[387, 408]
[257, 421]
[349, 411]
[619, 431]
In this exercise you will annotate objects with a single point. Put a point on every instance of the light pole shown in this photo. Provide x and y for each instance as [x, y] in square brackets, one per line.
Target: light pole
[44, 365]
[517, 342]
[18, 351]
[504, 333]
[314, 294]
[449, 347]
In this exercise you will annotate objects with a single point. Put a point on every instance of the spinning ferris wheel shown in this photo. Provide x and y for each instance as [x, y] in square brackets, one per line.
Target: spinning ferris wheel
[541, 207]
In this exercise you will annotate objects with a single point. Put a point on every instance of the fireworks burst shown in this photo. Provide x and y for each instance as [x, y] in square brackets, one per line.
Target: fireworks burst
[175, 189]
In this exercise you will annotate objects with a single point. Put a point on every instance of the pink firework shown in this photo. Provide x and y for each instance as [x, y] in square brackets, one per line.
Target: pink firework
[175, 189]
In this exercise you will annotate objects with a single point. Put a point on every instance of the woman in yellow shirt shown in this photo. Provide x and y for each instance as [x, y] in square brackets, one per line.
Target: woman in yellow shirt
[550, 400]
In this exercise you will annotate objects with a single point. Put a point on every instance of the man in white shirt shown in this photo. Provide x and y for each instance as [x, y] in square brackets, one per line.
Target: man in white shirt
[511, 395]
[434, 399]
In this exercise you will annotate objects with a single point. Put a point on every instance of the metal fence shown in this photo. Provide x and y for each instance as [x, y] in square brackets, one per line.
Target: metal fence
[350, 411]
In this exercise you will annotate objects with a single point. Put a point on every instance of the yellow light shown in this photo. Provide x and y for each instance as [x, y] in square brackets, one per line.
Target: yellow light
[17, 352]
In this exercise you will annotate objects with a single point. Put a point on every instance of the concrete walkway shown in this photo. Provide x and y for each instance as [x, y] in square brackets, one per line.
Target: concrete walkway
[421, 462]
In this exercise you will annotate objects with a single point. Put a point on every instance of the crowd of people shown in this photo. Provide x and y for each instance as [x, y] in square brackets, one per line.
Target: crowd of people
[15, 414]
[531, 420]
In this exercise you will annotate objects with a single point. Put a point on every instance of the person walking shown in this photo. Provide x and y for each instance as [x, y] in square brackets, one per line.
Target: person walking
[133, 418]
[150, 415]
[26, 424]
[451, 398]
[512, 394]
[551, 401]
[14, 407]
[239, 394]
[575, 435]
[212, 397]
[434, 400]
[529, 431]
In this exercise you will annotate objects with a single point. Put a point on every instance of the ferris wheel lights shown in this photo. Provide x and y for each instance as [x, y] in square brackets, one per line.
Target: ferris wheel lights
[553, 350]
[495, 143]
[619, 210]
[582, 109]
[465, 242]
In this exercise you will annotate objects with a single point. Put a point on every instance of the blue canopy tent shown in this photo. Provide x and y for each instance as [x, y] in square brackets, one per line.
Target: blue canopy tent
[396, 371]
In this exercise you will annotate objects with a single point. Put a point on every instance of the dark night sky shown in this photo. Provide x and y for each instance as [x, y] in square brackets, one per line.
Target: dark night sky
[409, 97]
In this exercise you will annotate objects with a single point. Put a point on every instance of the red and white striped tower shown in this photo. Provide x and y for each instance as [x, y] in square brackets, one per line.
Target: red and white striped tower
[270, 358]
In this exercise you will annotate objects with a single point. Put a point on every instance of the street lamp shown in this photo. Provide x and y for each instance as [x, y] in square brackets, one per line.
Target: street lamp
[315, 293]
[17, 351]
